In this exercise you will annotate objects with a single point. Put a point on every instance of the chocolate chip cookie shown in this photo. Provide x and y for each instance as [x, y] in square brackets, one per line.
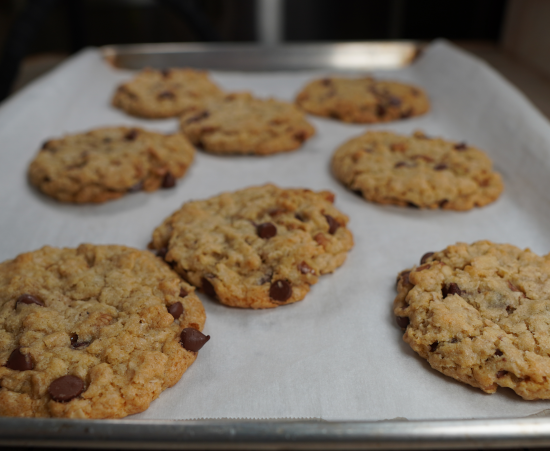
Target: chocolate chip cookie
[106, 163]
[165, 93]
[259, 247]
[479, 313]
[362, 100]
[417, 171]
[242, 124]
[93, 332]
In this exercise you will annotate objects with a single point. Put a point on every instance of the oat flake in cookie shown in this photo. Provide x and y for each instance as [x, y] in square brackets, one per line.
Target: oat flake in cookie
[479, 313]
[418, 171]
[165, 93]
[259, 247]
[242, 124]
[106, 163]
[362, 100]
[93, 332]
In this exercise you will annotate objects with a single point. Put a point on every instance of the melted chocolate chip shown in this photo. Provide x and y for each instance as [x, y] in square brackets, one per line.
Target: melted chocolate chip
[452, 288]
[29, 299]
[131, 135]
[162, 252]
[441, 167]
[176, 310]
[193, 340]
[166, 95]
[136, 187]
[434, 346]
[266, 230]
[66, 388]
[499, 352]
[74, 339]
[461, 146]
[332, 224]
[425, 257]
[304, 268]
[280, 291]
[208, 288]
[198, 117]
[402, 321]
[19, 362]
[169, 181]
[501, 373]
[183, 292]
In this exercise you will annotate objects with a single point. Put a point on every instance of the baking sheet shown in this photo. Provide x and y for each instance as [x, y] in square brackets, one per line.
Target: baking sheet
[338, 354]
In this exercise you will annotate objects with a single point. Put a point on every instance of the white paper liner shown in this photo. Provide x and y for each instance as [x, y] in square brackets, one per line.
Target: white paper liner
[337, 355]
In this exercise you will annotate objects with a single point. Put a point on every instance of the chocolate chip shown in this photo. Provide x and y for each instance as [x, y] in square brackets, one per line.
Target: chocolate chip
[193, 340]
[198, 117]
[501, 373]
[207, 287]
[406, 114]
[423, 267]
[266, 278]
[176, 310]
[332, 224]
[461, 146]
[402, 164]
[402, 321]
[326, 81]
[510, 309]
[434, 346]
[266, 230]
[450, 289]
[166, 95]
[74, 339]
[299, 217]
[304, 268]
[19, 362]
[412, 205]
[280, 291]
[454, 340]
[169, 181]
[425, 257]
[394, 101]
[29, 299]
[443, 202]
[300, 136]
[136, 187]
[131, 135]
[499, 352]
[66, 388]
[404, 277]
[80, 345]
[441, 167]
[183, 292]
[380, 110]
[162, 252]
[165, 72]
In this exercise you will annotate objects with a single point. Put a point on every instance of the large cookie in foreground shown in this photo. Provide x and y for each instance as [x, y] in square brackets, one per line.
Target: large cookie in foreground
[362, 100]
[92, 332]
[417, 171]
[165, 93]
[259, 247]
[242, 124]
[106, 163]
[480, 314]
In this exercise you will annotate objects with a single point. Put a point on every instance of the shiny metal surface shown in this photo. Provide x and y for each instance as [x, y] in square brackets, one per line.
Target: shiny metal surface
[489, 434]
[249, 57]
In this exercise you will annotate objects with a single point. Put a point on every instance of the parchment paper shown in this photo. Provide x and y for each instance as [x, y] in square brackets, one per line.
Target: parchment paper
[337, 355]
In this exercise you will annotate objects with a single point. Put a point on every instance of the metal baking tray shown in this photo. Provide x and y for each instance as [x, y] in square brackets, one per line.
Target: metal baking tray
[272, 434]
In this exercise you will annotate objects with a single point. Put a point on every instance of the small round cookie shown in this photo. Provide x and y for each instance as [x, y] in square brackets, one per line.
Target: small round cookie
[167, 93]
[416, 171]
[106, 163]
[242, 124]
[259, 247]
[93, 332]
[479, 313]
[362, 100]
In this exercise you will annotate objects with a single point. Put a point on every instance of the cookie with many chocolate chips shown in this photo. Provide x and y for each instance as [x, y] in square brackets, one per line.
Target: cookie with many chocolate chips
[417, 171]
[479, 313]
[259, 247]
[106, 163]
[93, 332]
[362, 100]
[242, 124]
[165, 93]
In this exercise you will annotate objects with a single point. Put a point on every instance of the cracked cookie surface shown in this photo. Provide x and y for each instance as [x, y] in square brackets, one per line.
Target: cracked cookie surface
[242, 124]
[91, 332]
[479, 313]
[165, 93]
[259, 247]
[106, 163]
[362, 100]
[417, 170]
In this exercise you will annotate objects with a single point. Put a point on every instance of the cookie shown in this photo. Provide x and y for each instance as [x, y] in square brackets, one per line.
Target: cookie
[106, 163]
[260, 247]
[242, 124]
[362, 100]
[167, 93]
[93, 332]
[416, 171]
[479, 313]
